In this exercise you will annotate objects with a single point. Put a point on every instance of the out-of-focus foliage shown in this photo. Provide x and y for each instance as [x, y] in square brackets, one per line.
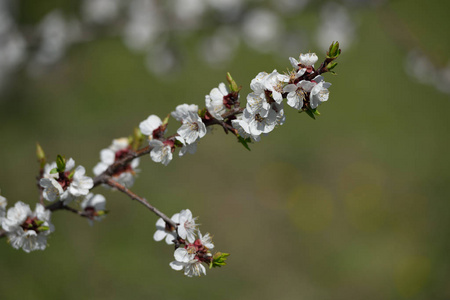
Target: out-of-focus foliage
[351, 205]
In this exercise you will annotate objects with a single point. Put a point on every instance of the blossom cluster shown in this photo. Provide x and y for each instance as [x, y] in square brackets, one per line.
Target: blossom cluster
[119, 148]
[193, 250]
[60, 182]
[26, 229]
[303, 88]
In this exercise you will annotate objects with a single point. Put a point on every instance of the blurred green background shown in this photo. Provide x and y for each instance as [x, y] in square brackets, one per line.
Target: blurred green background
[353, 205]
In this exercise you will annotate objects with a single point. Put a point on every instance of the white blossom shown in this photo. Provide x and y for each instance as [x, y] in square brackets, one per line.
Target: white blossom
[26, 229]
[182, 111]
[92, 204]
[119, 144]
[80, 184]
[187, 261]
[192, 129]
[257, 84]
[274, 83]
[308, 59]
[191, 148]
[52, 189]
[258, 124]
[162, 232]
[319, 92]
[149, 125]
[108, 157]
[257, 104]
[160, 153]
[295, 63]
[187, 227]
[206, 240]
[70, 164]
[241, 123]
[214, 101]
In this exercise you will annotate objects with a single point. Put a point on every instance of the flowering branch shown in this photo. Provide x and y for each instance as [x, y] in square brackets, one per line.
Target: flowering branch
[60, 182]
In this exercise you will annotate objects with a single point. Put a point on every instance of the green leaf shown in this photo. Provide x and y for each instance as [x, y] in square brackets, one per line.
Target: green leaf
[310, 113]
[331, 66]
[39, 222]
[60, 163]
[244, 142]
[54, 171]
[316, 112]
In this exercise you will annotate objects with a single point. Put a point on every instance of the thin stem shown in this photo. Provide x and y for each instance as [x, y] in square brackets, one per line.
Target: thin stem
[114, 184]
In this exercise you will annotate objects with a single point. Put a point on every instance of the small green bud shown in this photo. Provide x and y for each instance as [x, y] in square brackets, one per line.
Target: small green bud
[233, 86]
[334, 50]
[60, 163]
[219, 260]
[54, 171]
[166, 120]
[40, 155]
[39, 222]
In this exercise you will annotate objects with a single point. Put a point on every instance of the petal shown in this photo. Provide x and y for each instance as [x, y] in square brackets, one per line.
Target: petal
[181, 255]
[177, 266]
[159, 235]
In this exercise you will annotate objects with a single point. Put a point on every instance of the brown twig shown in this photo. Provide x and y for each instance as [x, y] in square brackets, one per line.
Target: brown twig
[123, 189]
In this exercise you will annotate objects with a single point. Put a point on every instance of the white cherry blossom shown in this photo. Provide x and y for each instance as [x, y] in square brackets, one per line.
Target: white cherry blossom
[257, 104]
[206, 240]
[295, 64]
[162, 232]
[214, 101]
[187, 261]
[258, 124]
[191, 148]
[80, 184]
[160, 153]
[187, 227]
[52, 189]
[241, 123]
[192, 129]
[26, 229]
[108, 157]
[149, 125]
[319, 92]
[257, 84]
[308, 59]
[274, 83]
[182, 111]
[92, 204]
[70, 164]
